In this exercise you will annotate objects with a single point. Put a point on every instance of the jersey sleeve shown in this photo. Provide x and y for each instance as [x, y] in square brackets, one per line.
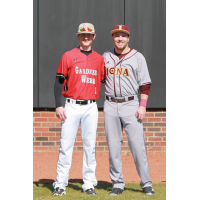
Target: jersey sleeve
[62, 67]
[143, 77]
[145, 89]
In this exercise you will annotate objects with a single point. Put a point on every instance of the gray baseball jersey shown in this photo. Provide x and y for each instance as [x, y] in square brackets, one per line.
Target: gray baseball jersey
[125, 76]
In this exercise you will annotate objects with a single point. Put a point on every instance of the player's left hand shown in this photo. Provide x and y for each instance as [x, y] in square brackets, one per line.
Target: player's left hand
[140, 113]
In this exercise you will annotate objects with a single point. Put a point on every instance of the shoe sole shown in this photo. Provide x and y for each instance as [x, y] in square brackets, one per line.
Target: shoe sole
[149, 193]
[114, 194]
[59, 194]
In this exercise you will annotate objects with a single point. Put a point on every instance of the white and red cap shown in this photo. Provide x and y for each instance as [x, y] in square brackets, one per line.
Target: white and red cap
[86, 28]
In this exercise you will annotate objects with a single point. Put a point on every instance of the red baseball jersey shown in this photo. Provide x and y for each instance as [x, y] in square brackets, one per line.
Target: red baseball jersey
[83, 74]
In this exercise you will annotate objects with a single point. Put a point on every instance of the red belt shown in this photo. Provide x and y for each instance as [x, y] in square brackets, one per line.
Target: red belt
[119, 100]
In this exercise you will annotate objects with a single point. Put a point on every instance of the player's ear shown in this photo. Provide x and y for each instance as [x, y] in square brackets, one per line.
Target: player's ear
[94, 36]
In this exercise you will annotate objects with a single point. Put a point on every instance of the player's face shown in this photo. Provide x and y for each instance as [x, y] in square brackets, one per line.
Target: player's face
[120, 40]
[86, 39]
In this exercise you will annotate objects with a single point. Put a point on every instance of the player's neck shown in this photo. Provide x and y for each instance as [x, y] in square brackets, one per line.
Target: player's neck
[86, 48]
[122, 51]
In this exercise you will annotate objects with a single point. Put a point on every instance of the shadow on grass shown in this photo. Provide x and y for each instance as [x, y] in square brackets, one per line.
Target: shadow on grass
[47, 183]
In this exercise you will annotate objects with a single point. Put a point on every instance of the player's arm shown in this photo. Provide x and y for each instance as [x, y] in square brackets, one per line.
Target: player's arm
[144, 91]
[60, 111]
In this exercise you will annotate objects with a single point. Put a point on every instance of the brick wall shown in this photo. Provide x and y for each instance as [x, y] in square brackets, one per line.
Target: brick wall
[46, 132]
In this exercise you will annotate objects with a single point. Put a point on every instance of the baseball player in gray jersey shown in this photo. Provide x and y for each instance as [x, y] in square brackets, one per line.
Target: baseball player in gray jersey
[126, 75]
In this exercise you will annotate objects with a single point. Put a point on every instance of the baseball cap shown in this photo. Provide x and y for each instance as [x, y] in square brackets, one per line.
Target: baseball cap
[86, 28]
[121, 28]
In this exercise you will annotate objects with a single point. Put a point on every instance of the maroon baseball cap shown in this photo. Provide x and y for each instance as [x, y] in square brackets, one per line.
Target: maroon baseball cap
[121, 28]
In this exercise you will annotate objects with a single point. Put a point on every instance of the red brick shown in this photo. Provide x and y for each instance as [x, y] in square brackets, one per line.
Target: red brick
[78, 144]
[159, 124]
[149, 114]
[39, 119]
[58, 124]
[144, 120]
[79, 139]
[125, 148]
[41, 148]
[160, 114]
[48, 143]
[54, 119]
[163, 148]
[42, 129]
[101, 134]
[48, 134]
[149, 143]
[154, 129]
[79, 148]
[125, 138]
[36, 143]
[160, 134]
[101, 138]
[147, 124]
[100, 124]
[154, 148]
[148, 133]
[102, 144]
[164, 138]
[164, 129]
[78, 135]
[52, 114]
[154, 139]
[41, 138]
[36, 124]
[99, 148]
[55, 129]
[54, 148]
[163, 119]
[101, 114]
[36, 114]
[160, 143]
[154, 119]
[100, 130]
[58, 133]
[54, 138]
[101, 120]
[37, 134]
[48, 124]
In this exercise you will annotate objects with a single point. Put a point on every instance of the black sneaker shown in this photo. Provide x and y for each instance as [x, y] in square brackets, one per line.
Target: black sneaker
[90, 191]
[58, 192]
[148, 191]
[116, 191]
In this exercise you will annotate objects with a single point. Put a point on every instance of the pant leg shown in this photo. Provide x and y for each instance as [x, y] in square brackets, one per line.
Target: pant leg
[113, 129]
[89, 120]
[136, 140]
[68, 134]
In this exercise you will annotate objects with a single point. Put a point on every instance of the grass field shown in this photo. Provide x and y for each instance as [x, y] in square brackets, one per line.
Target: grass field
[43, 191]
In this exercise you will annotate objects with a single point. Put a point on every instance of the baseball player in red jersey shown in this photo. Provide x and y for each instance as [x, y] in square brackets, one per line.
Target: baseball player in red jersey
[126, 74]
[78, 79]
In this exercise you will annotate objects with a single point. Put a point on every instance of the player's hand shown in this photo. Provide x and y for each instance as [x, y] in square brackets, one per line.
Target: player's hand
[61, 114]
[140, 114]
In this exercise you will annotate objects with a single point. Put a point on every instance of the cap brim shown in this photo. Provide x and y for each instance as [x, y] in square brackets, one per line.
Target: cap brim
[85, 32]
[117, 30]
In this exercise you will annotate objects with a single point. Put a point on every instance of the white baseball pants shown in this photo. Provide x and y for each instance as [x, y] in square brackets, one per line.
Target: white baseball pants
[87, 116]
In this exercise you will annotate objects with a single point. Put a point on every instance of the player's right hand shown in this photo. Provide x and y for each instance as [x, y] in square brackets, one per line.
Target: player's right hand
[61, 114]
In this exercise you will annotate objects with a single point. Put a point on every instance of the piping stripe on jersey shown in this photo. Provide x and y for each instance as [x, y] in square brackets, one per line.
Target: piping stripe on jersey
[114, 75]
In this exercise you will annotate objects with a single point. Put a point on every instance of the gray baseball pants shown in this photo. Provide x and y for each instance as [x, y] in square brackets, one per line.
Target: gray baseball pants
[118, 116]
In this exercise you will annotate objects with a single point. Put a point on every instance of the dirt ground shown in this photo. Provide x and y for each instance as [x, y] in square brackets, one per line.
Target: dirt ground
[45, 163]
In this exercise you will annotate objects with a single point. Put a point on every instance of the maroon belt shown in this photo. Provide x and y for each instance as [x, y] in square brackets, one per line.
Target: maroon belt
[119, 100]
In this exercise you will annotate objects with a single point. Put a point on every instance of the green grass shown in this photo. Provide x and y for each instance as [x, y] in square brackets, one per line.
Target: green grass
[43, 191]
